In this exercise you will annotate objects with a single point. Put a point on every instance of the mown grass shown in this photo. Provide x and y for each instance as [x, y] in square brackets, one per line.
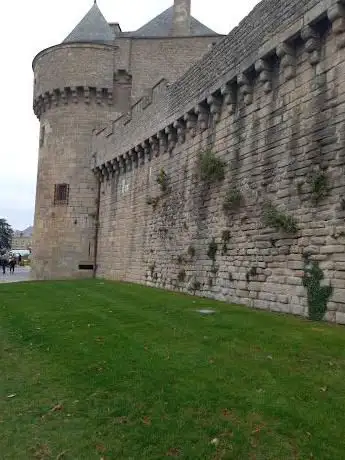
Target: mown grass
[115, 371]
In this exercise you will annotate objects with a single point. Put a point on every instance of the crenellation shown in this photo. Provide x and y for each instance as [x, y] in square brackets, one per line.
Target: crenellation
[64, 96]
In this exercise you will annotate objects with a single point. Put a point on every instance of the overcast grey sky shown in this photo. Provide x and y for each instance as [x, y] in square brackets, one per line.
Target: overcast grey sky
[29, 26]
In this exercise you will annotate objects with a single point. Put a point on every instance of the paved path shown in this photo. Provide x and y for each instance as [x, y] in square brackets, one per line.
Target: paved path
[20, 274]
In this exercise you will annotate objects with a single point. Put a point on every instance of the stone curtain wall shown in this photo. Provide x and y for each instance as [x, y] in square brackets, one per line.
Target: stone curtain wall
[279, 129]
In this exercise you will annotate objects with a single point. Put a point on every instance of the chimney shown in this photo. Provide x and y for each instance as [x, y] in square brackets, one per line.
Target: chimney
[182, 17]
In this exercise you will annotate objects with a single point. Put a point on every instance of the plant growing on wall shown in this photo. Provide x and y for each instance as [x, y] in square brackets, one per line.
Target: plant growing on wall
[212, 250]
[232, 200]
[180, 259]
[181, 275]
[272, 217]
[212, 169]
[191, 251]
[317, 294]
[251, 273]
[319, 186]
[226, 235]
[163, 180]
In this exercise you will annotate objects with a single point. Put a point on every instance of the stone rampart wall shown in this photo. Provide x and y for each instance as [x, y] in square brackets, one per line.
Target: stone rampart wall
[275, 117]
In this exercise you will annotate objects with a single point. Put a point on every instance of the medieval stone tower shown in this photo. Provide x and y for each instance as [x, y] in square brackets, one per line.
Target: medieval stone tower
[95, 74]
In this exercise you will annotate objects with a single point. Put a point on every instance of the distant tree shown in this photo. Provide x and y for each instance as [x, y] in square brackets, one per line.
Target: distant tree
[6, 234]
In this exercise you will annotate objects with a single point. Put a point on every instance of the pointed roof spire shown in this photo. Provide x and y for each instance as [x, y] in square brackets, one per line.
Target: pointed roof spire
[92, 28]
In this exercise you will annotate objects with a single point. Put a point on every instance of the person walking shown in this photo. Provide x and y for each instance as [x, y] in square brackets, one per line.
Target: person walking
[3, 263]
[12, 264]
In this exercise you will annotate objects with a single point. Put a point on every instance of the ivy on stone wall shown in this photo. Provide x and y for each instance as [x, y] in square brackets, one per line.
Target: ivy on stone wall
[212, 169]
[272, 217]
[317, 294]
[226, 235]
[319, 186]
[212, 250]
[232, 200]
[163, 180]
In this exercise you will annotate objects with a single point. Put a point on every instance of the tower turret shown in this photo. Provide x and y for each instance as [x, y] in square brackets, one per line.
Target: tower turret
[73, 94]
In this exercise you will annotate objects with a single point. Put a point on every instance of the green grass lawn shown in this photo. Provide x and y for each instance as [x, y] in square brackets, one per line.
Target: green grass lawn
[93, 370]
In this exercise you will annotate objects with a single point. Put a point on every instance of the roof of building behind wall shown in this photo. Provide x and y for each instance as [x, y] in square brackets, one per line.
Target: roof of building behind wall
[92, 28]
[161, 26]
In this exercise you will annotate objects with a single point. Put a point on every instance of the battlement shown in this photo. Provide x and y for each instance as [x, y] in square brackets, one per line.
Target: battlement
[71, 95]
[226, 76]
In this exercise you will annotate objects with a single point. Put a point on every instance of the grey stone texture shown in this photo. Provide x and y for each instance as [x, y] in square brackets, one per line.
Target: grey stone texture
[80, 85]
[269, 101]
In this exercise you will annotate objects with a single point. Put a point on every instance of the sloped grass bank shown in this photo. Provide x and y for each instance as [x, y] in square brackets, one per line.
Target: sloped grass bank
[94, 369]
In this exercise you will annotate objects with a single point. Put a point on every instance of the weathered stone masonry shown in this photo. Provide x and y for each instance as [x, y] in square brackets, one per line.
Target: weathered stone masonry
[268, 100]
[79, 85]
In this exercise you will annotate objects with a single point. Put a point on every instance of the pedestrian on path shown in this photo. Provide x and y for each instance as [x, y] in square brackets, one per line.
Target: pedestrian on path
[12, 264]
[3, 263]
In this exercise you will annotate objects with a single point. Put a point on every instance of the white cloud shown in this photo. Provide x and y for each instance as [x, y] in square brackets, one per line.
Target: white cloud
[27, 28]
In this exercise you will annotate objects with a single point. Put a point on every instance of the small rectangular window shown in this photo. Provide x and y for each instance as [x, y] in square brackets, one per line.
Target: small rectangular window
[61, 194]
[42, 135]
[85, 267]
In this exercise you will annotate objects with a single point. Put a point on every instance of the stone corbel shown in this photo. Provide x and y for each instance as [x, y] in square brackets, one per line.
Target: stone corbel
[172, 138]
[46, 101]
[141, 155]
[180, 131]
[336, 14]
[265, 75]
[215, 104]
[147, 150]
[287, 58]
[98, 173]
[109, 168]
[203, 116]
[74, 93]
[116, 166]
[229, 98]
[54, 98]
[64, 96]
[191, 120]
[110, 98]
[40, 105]
[98, 96]
[246, 89]
[129, 161]
[163, 142]
[87, 95]
[153, 141]
[312, 44]
[122, 164]
[104, 172]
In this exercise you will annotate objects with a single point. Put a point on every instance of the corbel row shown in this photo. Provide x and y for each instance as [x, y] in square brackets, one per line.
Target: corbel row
[74, 95]
[226, 98]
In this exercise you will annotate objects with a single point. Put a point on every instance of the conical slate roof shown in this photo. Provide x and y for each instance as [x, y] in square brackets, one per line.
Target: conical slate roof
[161, 26]
[92, 28]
